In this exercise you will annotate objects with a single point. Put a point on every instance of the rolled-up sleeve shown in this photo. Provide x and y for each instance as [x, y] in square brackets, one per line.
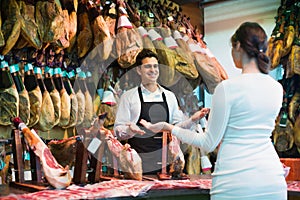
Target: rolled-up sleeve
[124, 116]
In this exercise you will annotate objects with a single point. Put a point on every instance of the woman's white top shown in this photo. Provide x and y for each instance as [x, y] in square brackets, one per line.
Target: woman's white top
[241, 120]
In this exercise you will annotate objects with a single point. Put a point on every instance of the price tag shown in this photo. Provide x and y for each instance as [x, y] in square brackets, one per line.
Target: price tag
[94, 145]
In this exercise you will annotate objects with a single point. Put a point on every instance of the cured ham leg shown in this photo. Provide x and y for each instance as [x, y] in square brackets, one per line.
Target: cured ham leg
[102, 37]
[9, 97]
[11, 27]
[64, 150]
[24, 102]
[176, 157]
[283, 138]
[56, 175]
[297, 132]
[129, 160]
[128, 41]
[84, 31]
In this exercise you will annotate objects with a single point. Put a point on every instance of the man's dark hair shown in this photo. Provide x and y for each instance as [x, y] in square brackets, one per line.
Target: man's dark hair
[145, 53]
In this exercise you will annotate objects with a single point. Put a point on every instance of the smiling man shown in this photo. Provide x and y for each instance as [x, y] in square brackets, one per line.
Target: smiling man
[148, 101]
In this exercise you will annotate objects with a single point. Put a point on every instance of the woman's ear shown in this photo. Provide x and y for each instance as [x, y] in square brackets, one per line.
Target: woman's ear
[238, 46]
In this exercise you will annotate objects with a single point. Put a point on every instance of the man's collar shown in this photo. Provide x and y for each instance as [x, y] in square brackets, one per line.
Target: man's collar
[145, 90]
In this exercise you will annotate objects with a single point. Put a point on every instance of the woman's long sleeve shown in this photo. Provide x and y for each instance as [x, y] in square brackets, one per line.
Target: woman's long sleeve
[217, 121]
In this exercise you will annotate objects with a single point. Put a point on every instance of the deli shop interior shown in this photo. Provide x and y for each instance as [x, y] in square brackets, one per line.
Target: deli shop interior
[66, 63]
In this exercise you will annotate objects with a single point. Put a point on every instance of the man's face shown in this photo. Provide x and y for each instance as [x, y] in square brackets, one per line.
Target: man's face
[149, 70]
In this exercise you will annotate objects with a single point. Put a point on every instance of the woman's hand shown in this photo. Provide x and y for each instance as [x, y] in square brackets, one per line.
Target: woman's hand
[200, 114]
[157, 127]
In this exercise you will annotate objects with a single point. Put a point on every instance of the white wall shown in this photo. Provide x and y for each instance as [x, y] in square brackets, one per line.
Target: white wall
[221, 21]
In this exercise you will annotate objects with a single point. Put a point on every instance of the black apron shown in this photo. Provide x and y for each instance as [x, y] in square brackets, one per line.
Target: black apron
[149, 145]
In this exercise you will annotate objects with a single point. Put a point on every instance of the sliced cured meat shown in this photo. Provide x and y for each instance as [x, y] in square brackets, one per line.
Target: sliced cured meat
[64, 150]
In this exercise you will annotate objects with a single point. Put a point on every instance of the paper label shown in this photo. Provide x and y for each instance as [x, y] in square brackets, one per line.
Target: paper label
[94, 145]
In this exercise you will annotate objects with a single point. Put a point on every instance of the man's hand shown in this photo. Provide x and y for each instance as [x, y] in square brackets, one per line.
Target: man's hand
[200, 114]
[157, 127]
[135, 129]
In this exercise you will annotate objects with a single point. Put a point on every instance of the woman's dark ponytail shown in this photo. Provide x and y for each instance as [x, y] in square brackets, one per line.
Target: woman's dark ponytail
[253, 40]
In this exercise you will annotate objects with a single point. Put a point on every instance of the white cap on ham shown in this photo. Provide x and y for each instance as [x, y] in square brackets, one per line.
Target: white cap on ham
[154, 35]
[143, 32]
[108, 98]
[209, 53]
[177, 35]
[205, 163]
[186, 38]
[196, 48]
[124, 22]
[170, 42]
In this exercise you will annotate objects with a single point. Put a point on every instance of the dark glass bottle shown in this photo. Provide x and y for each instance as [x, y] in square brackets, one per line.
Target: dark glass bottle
[30, 80]
[16, 76]
[6, 80]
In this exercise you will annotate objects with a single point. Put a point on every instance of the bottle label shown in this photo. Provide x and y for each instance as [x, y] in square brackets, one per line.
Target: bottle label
[14, 68]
